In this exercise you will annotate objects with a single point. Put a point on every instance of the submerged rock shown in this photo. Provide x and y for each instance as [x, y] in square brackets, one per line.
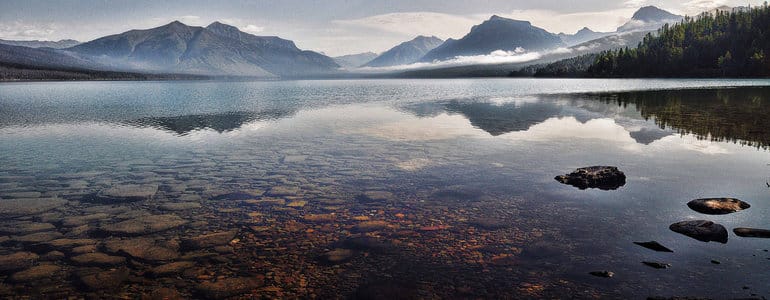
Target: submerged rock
[337, 256]
[144, 225]
[35, 273]
[98, 259]
[172, 269]
[13, 208]
[95, 279]
[601, 177]
[209, 240]
[717, 206]
[229, 287]
[653, 245]
[128, 193]
[17, 261]
[141, 248]
[702, 230]
[752, 232]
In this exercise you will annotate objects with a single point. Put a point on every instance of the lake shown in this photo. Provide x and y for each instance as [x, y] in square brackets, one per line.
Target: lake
[379, 189]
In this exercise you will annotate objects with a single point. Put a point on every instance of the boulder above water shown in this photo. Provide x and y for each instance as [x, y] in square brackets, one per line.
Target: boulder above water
[599, 177]
[702, 230]
[752, 232]
[717, 206]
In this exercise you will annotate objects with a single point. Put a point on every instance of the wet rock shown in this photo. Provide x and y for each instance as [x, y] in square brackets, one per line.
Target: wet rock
[180, 206]
[369, 226]
[208, 240]
[604, 274]
[127, 193]
[229, 287]
[752, 232]
[97, 279]
[144, 225]
[35, 273]
[145, 249]
[365, 243]
[17, 261]
[600, 177]
[84, 249]
[337, 256]
[13, 208]
[657, 265]
[53, 256]
[98, 259]
[172, 269]
[702, 230]
[653, 245]
[389, 289]
[717, 206]
[38, 237]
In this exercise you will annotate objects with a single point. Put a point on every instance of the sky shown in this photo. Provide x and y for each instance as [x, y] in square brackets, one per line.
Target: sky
[333, 27]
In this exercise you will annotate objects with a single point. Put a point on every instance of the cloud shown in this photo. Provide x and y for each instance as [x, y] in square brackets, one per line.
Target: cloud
[494, 58]
[253, 29]
[634, 3]
[703, 4]
[27, 31]
[416, 23]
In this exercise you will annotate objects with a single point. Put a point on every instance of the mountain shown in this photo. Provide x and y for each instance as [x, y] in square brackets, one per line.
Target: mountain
[42, 44]
[649, 18]
[582, 36]
[218, 49]
[406, 52]
[497, 33]
[353, 61]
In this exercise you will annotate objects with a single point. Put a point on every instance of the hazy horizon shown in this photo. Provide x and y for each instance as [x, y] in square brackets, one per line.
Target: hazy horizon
[335, 28]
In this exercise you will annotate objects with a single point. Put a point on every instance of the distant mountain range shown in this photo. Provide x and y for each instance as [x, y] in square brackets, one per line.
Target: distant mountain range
[497, 33]
[406, 52]
[353, 61]
[223, 50]
[42, 44]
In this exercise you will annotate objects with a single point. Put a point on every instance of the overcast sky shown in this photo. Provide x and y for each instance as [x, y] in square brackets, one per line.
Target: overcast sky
[334, 27]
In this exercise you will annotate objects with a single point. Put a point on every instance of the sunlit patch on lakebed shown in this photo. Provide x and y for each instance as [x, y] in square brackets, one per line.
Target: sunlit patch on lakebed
[443, 189]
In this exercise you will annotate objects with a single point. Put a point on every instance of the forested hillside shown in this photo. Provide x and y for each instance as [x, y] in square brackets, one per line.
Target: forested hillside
[722, 44]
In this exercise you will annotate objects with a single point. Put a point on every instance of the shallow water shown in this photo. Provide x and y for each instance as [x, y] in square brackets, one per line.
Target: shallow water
[459, 173]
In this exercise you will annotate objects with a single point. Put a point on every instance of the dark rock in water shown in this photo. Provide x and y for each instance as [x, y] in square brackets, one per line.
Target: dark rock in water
[230, 287]
[17, 261]
[373, 197]
[657, 265]
[369, 244]
[95, 279]
[208, 240]
[716, 262]
[702, 230]
[653, 245]
[605, 274]
[717, 206]
[163, 294]
[751, 232]
[600, 177]
[172, 269]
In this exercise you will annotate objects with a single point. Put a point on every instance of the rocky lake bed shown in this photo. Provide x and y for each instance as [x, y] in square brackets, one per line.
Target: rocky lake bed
[428, 197]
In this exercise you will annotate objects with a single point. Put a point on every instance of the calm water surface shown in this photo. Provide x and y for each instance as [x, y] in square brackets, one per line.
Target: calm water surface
[378, 189]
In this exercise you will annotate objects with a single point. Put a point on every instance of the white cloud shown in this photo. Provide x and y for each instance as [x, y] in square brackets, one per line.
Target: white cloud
[253, 29]
[634, 3]
[25, 31]
[417, 23]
